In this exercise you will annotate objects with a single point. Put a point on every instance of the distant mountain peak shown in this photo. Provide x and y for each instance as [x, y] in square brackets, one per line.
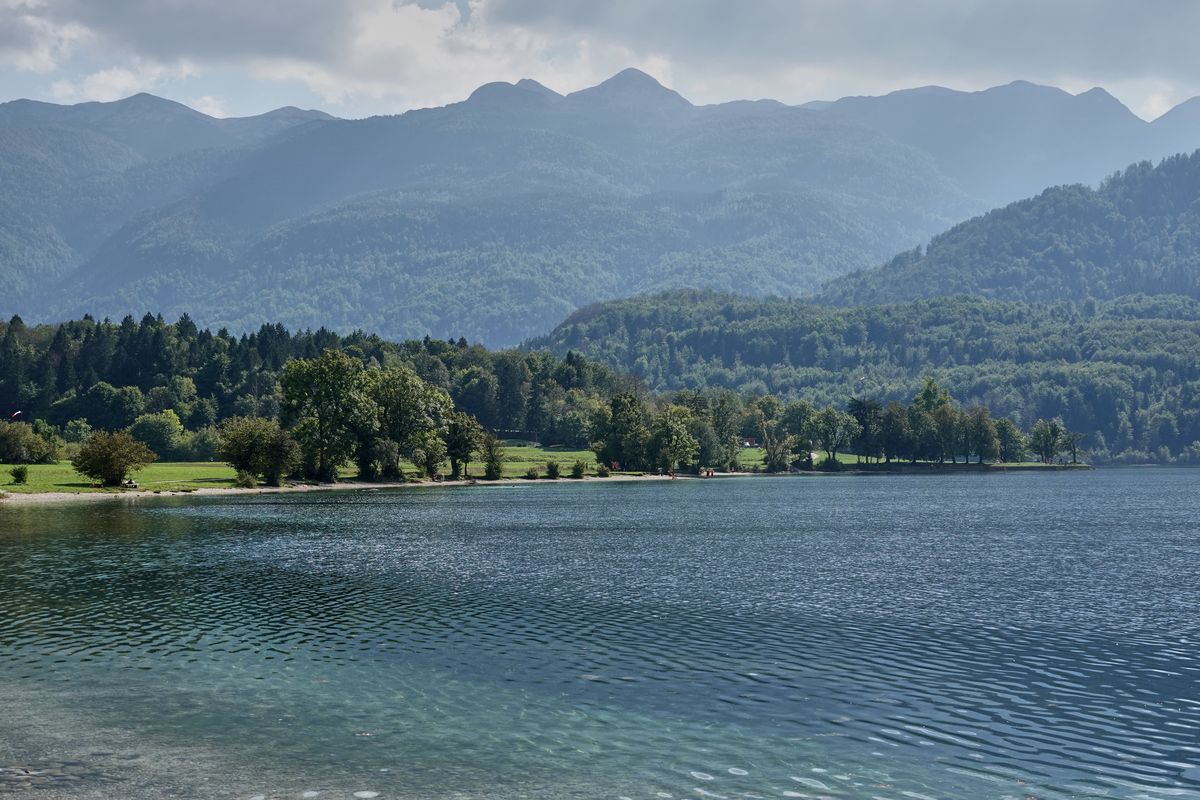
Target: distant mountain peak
[501, 94]
[632, 88]
[529, 84]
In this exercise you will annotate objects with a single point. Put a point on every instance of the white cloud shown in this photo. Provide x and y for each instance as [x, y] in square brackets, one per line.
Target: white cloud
[114, 83]
[211, 105]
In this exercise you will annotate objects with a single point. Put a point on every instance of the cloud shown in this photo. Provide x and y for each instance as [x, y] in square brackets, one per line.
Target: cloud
[114, 83]
[29, 41]
[388, 55]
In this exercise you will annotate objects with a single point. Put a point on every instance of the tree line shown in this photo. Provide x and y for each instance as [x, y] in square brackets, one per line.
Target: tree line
[1124, 372]
[275, 404]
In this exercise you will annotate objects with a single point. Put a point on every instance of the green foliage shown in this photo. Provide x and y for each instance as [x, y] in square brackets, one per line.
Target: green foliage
[19, 473]
[108, 457]
[1124, 371]
[553, 470]
[323, 407]
[532, 474]
[579, 469]
[255, 446]
[21, 444]
[671, 440]
[602, 471]
[245, 480]
[162, 432]
[493, 457]
[1137, 233]
[464, 436]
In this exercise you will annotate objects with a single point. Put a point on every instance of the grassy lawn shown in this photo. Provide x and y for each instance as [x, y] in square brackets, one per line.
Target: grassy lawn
[520, 456]
[164, 476]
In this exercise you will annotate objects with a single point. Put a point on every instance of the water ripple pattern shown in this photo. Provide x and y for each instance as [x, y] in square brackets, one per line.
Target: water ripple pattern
[1015, 636]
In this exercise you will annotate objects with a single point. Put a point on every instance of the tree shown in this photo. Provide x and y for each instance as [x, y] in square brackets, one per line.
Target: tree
[493, 457]
[1011, 441]
[1045, 439]
[835, 430]
[108, 457]
[260, 447]
[322, 404]
[624, 439]
[428, 452]
[21, 444]
[726, 411]
[463, 438]
[777, 445]
[981, 436]
[869, 414]
[1071, 441]
[161, 432]
[895, 437]
[799, 421]
[948, 424]
[671, 441]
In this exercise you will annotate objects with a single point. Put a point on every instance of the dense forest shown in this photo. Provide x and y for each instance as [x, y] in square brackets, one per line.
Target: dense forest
[1138, 232]
[495, 217]
[275, 403]
[1125, 371]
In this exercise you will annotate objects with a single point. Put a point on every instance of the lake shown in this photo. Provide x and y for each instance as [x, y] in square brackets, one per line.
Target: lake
[974, 636]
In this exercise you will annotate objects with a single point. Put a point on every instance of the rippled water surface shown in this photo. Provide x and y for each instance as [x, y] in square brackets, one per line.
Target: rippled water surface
[1005, 636]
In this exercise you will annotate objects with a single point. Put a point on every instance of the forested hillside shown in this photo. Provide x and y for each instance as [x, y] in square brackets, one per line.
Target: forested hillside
[1125, 372]
[495, 217]
[1138, 232]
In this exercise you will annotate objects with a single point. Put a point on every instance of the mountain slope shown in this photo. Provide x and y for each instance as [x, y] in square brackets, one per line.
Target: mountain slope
[497, 215]
[1138, 232]
[1124, 372]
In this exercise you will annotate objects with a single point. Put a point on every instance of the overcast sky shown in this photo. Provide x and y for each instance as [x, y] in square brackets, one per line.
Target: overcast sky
[362, 57]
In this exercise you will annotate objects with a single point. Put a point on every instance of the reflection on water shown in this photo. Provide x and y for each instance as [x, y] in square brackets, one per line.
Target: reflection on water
[977, 636]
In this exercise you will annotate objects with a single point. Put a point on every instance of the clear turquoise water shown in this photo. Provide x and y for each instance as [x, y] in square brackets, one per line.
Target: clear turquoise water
[1013, 636]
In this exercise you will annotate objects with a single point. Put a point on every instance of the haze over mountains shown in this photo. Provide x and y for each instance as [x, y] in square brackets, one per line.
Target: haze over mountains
[496, 217]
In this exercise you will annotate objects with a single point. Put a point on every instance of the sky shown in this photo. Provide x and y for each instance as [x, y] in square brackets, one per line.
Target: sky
[356, 58]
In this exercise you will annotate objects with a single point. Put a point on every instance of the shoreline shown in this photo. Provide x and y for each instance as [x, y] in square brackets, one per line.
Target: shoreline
[12, 499]
[133, 495]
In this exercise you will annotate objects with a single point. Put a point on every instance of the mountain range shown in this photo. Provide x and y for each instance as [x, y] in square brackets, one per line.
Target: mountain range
[496, 217]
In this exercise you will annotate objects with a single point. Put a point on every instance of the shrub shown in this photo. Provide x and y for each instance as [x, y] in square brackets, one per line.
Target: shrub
[602, 471]
[161, 432]
[553, 471]
[77, 430]
[493, 458]
[579, 469]
[20, 474]
[259, 447]
[21, 444]
[245, 480]
[109, 457]
[3, 495]
[532, 474]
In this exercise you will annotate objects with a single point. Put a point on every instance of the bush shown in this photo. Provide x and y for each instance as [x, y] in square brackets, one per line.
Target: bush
[3, 495]
[579, 469]
[553, 471]
[602, 471]
[20, 444]
[162, 432]
[259, 447]
[201, 445]
[109, 457]
[20, 474]
[493, 458]
[532, 474]
[245, 480]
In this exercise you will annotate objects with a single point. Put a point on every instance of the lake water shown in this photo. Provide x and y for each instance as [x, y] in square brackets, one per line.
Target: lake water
[1002, 636]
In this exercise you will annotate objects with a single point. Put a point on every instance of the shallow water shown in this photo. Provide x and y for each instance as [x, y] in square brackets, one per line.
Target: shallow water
[1001, 636]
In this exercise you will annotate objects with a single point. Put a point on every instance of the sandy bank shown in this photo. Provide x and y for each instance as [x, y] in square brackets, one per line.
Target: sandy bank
[41, 498]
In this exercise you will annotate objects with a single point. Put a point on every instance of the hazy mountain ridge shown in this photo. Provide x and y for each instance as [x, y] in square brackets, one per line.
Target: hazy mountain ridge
[1139, 232]
[558, 201]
